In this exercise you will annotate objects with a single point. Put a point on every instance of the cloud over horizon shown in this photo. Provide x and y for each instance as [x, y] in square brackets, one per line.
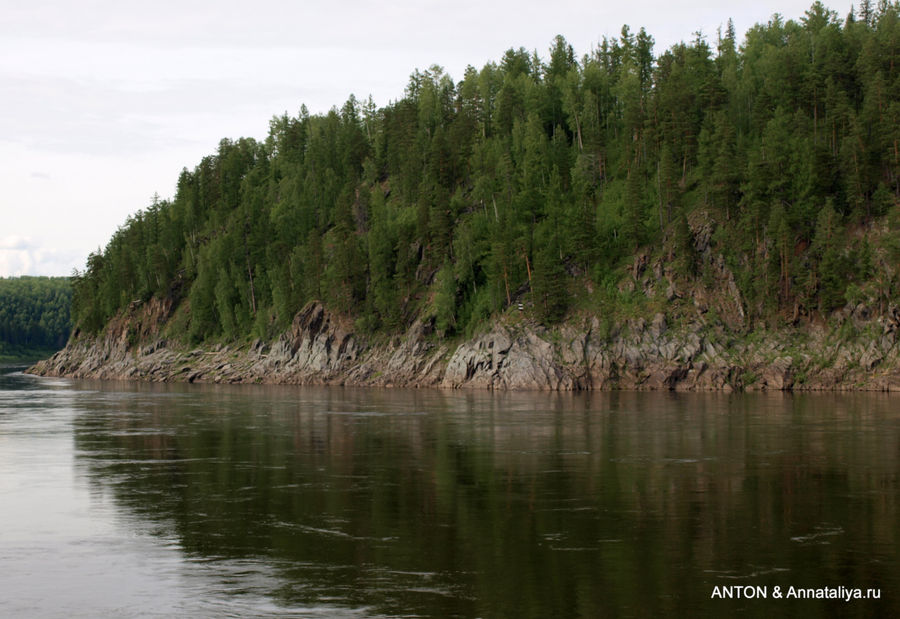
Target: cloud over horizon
[25, 256]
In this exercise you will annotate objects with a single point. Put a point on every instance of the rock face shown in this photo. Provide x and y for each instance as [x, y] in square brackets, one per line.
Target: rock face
[315, 345]
[502, 359]
[321, 348]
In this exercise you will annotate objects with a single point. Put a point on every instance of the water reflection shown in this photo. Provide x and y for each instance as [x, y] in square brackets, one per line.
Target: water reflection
[433, 503]
[223, 500]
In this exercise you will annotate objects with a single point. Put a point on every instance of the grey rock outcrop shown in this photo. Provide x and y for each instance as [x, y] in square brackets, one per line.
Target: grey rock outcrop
[505, 360]
[322, 348]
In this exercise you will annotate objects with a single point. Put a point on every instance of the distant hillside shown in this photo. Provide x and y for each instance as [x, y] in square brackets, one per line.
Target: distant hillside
[34, 316]
[546, 182]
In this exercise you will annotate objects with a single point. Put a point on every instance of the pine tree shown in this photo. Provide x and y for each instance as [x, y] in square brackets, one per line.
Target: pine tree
[633, 228]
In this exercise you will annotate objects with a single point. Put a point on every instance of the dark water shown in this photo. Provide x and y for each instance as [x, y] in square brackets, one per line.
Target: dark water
[121, 499]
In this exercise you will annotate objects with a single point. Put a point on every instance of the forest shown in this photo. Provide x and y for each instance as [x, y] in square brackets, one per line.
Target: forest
[537, 180]
[34, 315]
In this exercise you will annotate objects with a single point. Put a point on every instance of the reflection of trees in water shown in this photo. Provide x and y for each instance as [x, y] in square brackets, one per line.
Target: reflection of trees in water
[509, 504]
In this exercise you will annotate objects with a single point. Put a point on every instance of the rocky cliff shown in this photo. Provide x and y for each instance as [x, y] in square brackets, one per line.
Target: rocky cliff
[321, 348]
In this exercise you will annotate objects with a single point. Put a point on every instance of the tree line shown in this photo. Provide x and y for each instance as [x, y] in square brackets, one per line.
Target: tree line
[531, 177]
[34, 314]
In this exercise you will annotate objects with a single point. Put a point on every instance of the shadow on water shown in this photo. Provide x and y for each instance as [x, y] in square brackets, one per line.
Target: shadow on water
[434, 503]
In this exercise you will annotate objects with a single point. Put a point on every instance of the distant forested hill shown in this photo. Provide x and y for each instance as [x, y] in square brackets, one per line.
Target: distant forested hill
[34, 315]
[539, 180]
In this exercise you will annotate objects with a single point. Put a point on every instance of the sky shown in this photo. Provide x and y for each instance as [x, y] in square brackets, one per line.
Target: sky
[105, 101]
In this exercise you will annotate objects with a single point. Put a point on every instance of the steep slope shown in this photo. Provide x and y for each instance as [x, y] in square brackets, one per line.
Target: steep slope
[742, 201]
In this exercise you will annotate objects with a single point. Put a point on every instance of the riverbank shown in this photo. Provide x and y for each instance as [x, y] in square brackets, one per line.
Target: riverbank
[321, 348]
[25, 356]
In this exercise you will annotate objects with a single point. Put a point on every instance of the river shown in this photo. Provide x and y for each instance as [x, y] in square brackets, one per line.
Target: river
[157, 500]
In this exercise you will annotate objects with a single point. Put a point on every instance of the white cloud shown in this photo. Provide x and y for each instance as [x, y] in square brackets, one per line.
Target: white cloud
[14, 262]
[26, 256]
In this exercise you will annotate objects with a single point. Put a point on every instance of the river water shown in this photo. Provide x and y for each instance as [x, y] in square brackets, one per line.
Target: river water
[133, 500]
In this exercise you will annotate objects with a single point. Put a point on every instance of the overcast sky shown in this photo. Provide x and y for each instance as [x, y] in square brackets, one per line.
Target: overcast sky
[104, 102]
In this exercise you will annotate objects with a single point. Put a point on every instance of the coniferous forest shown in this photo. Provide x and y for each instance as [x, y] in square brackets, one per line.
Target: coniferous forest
[34, 315]
[537, 179]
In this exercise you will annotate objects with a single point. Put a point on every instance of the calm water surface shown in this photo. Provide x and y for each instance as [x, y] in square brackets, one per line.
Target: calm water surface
[120, 500]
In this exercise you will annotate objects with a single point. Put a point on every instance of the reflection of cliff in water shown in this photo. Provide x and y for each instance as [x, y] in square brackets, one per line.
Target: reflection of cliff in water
[447, 503]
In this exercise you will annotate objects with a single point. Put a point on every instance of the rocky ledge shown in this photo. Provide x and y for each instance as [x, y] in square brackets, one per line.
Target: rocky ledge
[320, 348]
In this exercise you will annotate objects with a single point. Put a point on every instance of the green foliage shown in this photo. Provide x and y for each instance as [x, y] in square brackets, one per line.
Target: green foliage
[34, 314]
[685, 253]
[551, 298]
[459, 198]
[445, 299]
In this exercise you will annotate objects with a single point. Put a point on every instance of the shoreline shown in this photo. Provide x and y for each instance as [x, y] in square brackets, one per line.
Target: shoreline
[320, 349]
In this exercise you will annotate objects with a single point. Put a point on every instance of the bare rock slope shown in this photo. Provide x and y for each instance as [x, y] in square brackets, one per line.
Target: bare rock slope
[321, 348]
